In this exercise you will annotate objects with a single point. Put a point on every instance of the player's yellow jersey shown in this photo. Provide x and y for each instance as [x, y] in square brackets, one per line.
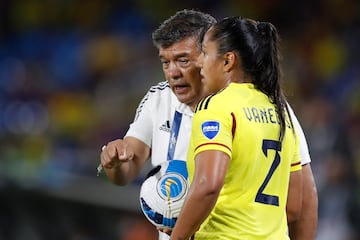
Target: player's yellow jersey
[241, 121]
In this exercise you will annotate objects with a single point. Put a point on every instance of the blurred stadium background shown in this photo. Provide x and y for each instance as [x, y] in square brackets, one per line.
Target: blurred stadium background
[73, 71]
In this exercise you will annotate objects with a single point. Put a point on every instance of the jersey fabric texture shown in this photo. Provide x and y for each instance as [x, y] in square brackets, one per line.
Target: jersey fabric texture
[241, 122]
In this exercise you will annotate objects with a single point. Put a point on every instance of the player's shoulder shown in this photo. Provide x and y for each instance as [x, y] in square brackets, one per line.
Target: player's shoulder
[159, 96]
[220, 101]
[160, 88]
[158, 93]
[210, 102]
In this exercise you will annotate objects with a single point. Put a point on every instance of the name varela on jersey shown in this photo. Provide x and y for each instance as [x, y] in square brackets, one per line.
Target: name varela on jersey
[263, 115]
[252, 113]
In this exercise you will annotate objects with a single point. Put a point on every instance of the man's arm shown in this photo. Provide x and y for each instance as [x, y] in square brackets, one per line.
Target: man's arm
[305, 227]
[123, 159]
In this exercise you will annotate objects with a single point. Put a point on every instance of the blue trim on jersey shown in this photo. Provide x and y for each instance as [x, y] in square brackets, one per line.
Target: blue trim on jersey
[174, 134]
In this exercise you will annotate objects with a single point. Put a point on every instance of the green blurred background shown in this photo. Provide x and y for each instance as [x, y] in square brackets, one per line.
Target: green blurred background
[73, 71]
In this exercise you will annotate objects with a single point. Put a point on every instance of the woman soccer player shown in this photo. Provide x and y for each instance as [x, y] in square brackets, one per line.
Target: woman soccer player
[243, 158]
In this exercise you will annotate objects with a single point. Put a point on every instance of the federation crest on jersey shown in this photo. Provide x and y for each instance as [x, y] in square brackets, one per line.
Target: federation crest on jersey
[210, 129]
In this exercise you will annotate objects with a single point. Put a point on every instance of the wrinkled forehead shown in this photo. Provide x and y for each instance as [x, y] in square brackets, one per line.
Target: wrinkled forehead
[186, 47]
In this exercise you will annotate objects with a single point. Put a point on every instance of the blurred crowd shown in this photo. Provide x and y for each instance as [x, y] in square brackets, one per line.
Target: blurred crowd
[73, 72]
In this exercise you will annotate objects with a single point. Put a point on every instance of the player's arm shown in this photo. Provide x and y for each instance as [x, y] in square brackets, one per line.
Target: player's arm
[210, 170]
[294, 200]
[123, 159]
[305, 227]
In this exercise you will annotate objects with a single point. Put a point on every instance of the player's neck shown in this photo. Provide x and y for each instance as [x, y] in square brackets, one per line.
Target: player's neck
[239, 76]
[193, 106]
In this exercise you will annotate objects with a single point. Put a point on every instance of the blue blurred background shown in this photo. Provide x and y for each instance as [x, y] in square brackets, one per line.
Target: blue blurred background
[73, 71]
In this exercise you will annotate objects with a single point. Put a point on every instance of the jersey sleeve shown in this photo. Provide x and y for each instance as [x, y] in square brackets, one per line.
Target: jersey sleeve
[296, 163]
[304, 150]
[141, 127]
[212, 130]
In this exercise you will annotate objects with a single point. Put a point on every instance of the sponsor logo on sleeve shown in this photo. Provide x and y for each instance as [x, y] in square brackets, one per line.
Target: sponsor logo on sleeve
[210, 129]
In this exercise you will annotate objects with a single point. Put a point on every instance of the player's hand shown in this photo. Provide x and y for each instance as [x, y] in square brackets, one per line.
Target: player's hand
[115, 153]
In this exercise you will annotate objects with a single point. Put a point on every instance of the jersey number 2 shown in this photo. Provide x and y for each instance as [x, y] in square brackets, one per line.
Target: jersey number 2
[260, 196]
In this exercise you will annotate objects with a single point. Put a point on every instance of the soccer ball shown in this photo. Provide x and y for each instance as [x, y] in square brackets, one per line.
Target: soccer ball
[163, 192]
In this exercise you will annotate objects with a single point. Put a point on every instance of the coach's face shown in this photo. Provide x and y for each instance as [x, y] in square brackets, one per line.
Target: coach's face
[179, 62]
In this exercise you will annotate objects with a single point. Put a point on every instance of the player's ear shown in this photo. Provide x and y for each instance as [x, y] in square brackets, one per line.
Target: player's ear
[229, 61]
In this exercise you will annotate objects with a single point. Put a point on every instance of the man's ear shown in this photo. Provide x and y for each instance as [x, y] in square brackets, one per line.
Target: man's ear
[229, 61]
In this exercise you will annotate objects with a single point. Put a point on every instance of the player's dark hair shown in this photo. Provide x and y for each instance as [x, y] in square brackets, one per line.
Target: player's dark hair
[257, 46]
[184, 24]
